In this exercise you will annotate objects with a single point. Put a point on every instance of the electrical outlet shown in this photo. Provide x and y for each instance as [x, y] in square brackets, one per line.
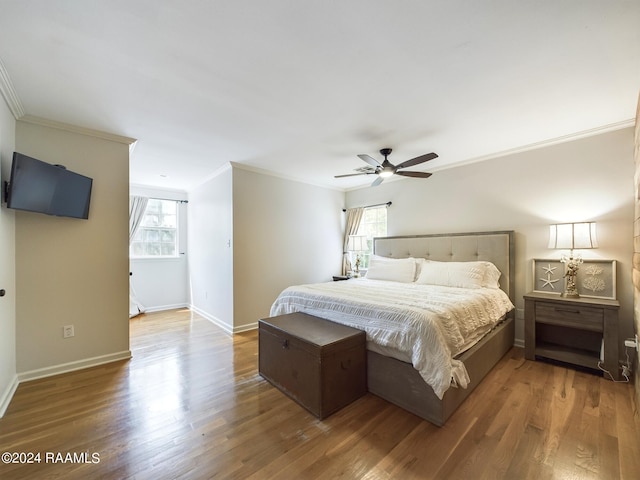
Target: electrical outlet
[67, 331]
[632, 343]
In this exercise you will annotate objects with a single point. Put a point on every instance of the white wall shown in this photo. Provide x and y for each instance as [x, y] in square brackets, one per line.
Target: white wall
[285, 233]
[210, 248]
[71, 271]
[8, 372]
[587, 179]
[251, 235]
[163, 283]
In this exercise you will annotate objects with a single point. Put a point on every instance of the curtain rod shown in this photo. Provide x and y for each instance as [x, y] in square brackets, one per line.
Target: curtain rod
[160, 198]
[171, 200]
[388, 204]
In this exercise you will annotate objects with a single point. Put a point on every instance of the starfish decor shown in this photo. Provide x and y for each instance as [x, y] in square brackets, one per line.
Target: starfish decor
[548, 281]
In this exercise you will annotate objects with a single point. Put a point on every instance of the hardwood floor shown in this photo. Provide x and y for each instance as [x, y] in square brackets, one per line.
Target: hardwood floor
[190, 404]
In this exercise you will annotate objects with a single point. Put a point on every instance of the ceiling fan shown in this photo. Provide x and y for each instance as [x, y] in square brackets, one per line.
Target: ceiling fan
[387, 169]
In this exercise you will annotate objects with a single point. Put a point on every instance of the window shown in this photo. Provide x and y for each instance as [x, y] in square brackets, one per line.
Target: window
[373, 224]
[158, 233]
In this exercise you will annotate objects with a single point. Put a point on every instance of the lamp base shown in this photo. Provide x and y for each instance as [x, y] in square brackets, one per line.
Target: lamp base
[571, 289]
[570, 295]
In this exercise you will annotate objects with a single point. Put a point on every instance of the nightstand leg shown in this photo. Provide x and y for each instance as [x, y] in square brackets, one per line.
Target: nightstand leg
[529, 330]
[611, 343]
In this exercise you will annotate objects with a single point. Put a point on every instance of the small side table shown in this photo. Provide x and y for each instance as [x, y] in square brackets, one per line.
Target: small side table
[577, 331]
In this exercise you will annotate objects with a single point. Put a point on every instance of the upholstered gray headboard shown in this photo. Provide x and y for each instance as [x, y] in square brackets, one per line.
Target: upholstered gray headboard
[495, 247]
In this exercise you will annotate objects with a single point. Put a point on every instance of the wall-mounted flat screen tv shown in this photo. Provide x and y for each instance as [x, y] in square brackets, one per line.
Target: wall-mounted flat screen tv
[37, 186]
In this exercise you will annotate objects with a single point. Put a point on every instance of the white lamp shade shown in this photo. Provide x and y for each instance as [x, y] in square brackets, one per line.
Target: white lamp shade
[358, 243]
[573, 235]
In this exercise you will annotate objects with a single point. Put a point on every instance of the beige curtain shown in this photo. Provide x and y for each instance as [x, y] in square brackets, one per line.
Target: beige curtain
[353, 218]
[137, 207]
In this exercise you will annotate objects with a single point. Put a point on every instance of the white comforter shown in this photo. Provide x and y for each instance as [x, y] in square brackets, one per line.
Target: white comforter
[426, 325]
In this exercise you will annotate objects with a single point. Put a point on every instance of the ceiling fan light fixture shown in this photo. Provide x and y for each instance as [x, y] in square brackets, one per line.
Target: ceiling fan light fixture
[386, 169]
[386, 172]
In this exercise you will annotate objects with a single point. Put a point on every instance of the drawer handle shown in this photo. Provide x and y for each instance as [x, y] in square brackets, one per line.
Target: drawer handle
[343, 366]
[567, 310]
[285, 344]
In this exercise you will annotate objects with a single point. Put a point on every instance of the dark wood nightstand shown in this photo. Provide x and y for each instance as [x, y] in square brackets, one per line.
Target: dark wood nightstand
[572, 330]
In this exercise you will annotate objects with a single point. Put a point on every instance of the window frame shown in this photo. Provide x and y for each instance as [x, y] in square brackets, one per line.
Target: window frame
[365, 229]
[176, 230]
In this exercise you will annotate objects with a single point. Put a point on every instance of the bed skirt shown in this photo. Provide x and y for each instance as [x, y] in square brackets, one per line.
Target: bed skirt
[399, 383]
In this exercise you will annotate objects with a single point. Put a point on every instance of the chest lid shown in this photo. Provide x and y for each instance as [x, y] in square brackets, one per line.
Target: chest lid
[323, 334]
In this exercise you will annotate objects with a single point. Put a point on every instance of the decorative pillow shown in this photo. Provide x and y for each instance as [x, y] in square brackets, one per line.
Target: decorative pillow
[459, 274]
[391, 269]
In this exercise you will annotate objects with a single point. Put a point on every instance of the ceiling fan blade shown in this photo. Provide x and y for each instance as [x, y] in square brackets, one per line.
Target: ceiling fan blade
[354, 174]
[415, 161]
[377, 181]
[370, 160]
[414, 174]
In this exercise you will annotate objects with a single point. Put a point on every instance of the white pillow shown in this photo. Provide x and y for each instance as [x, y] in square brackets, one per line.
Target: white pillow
[419, 262]
[391, 269]
[459, 274]
[491, 276]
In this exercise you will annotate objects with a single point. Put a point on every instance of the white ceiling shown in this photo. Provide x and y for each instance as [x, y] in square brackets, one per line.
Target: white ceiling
[299, 88]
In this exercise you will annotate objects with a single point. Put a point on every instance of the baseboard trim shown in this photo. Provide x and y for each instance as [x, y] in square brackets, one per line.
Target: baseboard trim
[8, 395]
[163, 308]
[213, 319]
[73, 366]
[246, 327]
[227, 328]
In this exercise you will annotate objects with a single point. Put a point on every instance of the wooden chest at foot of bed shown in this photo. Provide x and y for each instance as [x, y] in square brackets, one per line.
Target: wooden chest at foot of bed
[320, 364]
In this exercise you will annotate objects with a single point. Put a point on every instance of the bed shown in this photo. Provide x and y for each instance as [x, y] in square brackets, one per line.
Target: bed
[432, 332]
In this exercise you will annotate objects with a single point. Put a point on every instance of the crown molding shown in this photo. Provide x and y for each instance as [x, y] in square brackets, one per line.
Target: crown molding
[283, 176]
[9, 93]
[592, 132]
[81, 130]
[218, 171]
[611, 127]
[14, 104]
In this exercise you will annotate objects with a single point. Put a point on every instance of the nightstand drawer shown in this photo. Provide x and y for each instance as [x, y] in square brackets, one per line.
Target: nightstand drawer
[574, 316]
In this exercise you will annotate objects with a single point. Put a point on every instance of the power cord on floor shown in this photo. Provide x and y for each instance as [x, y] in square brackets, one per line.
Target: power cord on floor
[626, 369]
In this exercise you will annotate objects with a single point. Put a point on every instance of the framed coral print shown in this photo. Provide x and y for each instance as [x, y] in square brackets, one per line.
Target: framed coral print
[595, 278]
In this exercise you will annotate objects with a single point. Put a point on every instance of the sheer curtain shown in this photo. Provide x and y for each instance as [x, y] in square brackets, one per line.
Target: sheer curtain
[137, 207]
[354, 216]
